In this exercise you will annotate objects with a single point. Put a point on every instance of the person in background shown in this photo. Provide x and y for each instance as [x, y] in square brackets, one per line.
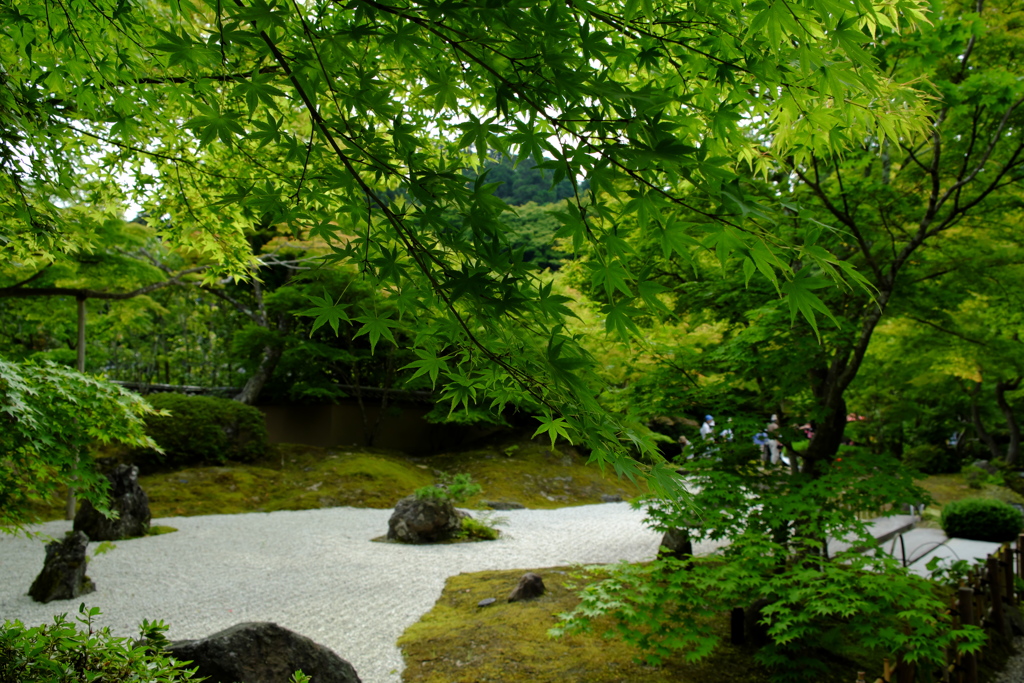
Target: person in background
[726, 433]
[707, 430]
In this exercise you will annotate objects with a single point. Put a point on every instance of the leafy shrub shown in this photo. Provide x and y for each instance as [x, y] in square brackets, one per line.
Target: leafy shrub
[477, 530]
[975, 476]
[62, 653]
[457, 489]
[932, 459]
[202, 430]
[982, 519]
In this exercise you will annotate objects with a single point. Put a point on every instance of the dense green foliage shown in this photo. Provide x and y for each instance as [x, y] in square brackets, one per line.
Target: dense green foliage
[524, 182]
[355, 125]
[777, 524]
[982, 519]
[932, 459]
[202, 430]
[49, 419]
[456, 489]
[61, 652]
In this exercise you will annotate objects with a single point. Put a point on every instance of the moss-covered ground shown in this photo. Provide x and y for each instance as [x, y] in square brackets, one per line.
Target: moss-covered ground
[296, 477]
[460, 642]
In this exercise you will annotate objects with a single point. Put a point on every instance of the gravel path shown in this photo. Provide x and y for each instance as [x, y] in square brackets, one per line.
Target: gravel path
[313, 571]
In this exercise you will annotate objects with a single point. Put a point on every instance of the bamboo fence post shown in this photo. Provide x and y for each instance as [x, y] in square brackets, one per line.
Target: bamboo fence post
[886, 670]
[860, 677]
[995, 580]
[969, 661]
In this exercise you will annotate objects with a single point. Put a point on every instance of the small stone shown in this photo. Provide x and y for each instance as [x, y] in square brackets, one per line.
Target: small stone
[611, 499]
[530, 586]
[486, 601]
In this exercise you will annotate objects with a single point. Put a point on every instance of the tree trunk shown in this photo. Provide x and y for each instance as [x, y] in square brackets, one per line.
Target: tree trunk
[979, 428]
[830, 426]
[254, 385]
[271, 355]
[1013, 449]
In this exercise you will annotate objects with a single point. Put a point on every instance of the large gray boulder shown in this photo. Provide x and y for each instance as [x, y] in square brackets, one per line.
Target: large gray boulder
[261, 652]
[63, 575]
[424, 520]
[127, 499]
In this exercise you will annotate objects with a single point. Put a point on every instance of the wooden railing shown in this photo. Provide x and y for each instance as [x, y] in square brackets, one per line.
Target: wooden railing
[982, 599]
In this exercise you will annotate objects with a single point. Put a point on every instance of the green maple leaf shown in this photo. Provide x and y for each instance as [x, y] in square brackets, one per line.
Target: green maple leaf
[326, 311]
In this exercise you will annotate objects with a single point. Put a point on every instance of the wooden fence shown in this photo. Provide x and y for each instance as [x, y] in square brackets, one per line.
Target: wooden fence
[985, 598]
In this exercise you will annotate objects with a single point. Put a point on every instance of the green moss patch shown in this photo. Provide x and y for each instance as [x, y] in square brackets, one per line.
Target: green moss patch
[158, 530]
[533, 474]
[298, 477]
[292, 478]
[459, 642]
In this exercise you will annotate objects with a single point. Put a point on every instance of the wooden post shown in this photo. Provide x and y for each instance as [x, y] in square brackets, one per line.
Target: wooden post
[905, 671]
[995, 583]
[886, 670]
[1006, 562]
[860, 677]
[1020, 555]
[966, 609]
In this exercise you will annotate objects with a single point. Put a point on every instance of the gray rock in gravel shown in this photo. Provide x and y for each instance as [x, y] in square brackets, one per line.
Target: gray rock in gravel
[127, 499]
[530, 586]
[676, 543]
[504, 505]
[424, 520]
[261, 652]
[63, 575]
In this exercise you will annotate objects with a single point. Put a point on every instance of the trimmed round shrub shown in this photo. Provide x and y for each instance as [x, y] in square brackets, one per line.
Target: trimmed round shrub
[982, 519]
[202, 430]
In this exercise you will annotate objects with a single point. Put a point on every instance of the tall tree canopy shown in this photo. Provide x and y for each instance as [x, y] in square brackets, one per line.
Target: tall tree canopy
[907, 213]
[356, 121]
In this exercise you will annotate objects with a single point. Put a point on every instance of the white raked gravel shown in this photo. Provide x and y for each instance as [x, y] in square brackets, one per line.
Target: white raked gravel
[313, 571]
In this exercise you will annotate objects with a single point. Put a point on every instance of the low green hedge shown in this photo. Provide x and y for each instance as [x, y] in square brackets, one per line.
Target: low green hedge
[982, 519]
[202, 430]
